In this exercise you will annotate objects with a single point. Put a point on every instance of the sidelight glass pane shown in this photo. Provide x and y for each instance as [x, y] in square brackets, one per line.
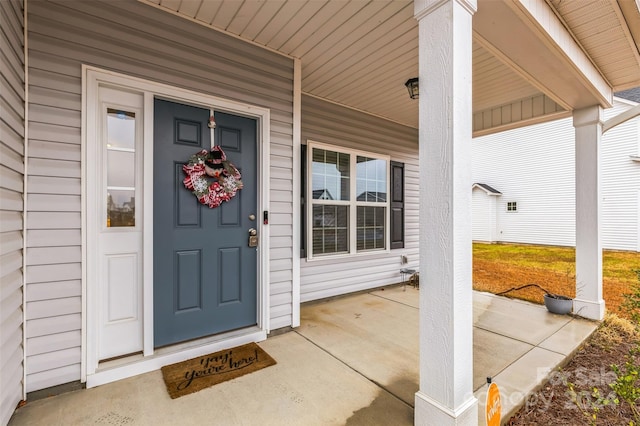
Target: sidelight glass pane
[121, 129]
[121, 208]
[121, 168]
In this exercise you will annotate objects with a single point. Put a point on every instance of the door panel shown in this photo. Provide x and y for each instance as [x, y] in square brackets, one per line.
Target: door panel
[205, 275]
[187, 212]
[121, 287]
[229, 263]
[188, 282]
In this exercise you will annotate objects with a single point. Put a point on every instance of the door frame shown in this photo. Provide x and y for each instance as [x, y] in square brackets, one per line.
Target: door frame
[152, 359]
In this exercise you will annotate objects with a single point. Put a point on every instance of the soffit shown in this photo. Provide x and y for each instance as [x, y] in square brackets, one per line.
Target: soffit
[494, 83]
[356, 53]
[605, 29]
[359, 53]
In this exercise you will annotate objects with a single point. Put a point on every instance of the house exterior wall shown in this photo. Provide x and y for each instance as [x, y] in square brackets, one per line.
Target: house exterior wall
[621, 185]
[12, 149]
[135, 39]
[332, 124]
[535, 167]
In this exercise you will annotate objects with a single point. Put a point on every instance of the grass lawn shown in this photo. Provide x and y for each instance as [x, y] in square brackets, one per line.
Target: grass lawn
[499, 267]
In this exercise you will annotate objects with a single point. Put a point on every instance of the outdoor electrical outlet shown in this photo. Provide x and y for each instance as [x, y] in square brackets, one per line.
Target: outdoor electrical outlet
[403, 259]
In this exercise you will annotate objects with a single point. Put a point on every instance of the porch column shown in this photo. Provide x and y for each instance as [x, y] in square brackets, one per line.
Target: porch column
[588, 125]
[445, 396]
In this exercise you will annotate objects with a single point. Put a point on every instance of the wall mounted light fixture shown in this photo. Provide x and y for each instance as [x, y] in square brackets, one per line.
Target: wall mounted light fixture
[413, 87]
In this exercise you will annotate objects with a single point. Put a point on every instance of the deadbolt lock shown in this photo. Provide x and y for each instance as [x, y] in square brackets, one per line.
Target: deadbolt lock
[253, 238]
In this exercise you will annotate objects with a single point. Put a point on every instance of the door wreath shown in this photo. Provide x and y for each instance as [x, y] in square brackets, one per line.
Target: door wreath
[211, 164]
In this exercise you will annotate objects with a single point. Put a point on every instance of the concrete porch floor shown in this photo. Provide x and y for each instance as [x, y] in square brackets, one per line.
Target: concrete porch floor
[353, 361]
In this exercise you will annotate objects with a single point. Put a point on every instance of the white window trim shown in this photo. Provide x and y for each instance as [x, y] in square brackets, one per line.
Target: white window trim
[353, 204]
[515, 210]
[151, 359]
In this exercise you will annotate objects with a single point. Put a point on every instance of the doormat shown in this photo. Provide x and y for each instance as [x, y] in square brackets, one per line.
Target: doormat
[202, 372]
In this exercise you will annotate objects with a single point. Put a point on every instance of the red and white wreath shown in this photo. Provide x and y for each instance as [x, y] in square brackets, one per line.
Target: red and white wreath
[226, 177]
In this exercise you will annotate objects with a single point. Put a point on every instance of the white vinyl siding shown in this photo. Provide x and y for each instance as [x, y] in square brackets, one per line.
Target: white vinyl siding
[138, 40]
[620, 184]
[535, 166]
[328, 123]
[12, 149]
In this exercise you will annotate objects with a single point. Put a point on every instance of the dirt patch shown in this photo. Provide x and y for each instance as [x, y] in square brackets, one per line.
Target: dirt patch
[589, 369]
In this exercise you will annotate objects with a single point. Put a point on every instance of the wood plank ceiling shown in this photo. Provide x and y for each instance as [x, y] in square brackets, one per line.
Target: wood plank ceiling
[360, 53]
[599, 27]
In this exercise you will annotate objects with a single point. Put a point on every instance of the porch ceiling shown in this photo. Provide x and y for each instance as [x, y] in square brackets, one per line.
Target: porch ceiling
[609, 31]
[359, 53]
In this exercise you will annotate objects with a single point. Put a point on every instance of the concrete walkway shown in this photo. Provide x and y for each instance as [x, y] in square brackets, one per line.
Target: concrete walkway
[353, 361]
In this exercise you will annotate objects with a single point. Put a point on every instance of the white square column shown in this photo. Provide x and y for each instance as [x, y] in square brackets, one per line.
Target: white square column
[588, 125]
[446, 395]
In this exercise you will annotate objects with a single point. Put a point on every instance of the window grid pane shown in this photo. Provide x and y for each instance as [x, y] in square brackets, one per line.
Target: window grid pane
[330, 178]
[371, 179]
[121, 208]
[370, 228]
[330, 229]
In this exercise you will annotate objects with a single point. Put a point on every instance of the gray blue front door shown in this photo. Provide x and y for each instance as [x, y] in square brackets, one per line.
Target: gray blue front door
[205, 274]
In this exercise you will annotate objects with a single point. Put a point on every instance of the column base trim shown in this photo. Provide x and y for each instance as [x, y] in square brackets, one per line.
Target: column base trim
[589, 309]
[430, 412]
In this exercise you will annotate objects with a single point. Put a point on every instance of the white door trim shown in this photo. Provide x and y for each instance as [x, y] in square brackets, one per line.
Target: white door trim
[92, 373]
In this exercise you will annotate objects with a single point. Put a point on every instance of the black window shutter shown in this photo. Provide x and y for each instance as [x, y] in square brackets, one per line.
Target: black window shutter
[303, 207]
[397, 205]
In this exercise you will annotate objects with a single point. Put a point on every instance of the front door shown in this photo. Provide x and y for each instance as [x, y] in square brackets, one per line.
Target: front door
[205, 273]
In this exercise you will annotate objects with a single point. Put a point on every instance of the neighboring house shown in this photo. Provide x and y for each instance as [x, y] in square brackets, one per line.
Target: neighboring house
[321, 194]
[534, 171]
[110, 267]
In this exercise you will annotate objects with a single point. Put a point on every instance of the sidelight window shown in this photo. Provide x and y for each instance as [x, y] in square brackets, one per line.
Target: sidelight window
[121, 168]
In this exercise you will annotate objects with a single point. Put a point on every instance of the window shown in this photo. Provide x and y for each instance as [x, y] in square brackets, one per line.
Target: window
[512, 206]
[349, 208]
[121, 168]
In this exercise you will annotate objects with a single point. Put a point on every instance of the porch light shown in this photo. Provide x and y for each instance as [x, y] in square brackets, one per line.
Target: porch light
[413, 87]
